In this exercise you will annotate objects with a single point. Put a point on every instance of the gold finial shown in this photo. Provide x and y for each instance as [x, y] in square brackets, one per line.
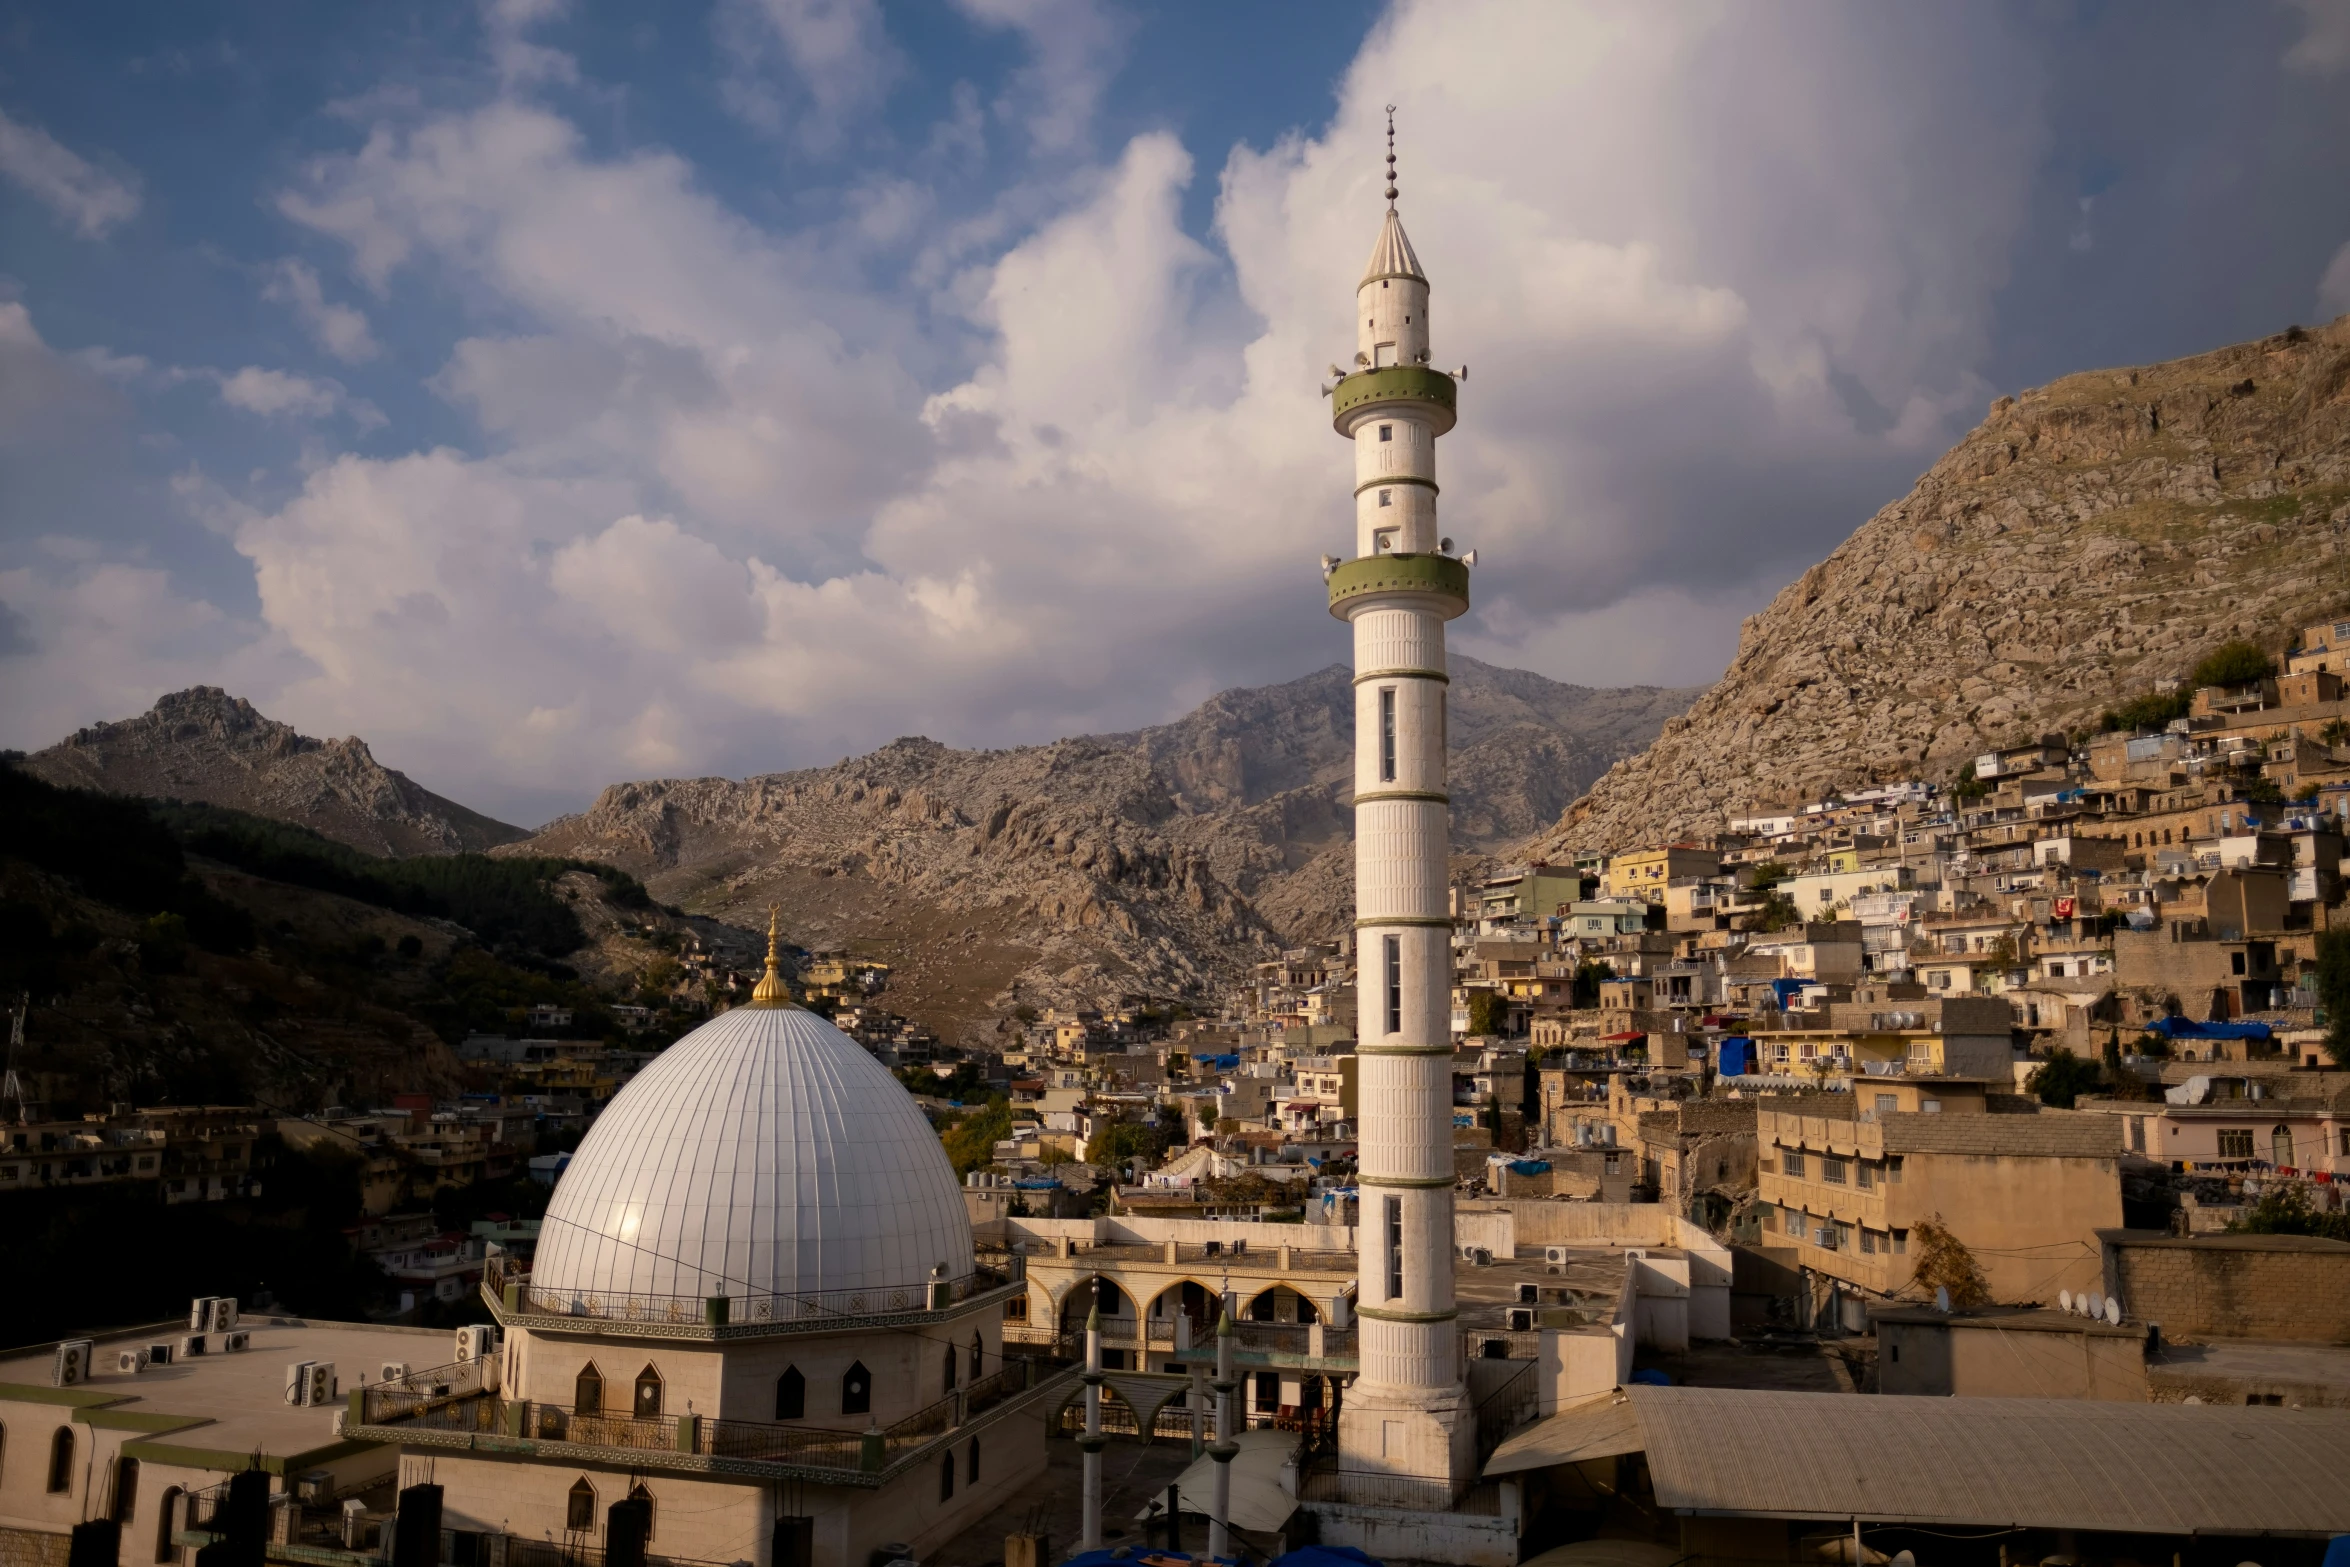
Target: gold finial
[771, 991]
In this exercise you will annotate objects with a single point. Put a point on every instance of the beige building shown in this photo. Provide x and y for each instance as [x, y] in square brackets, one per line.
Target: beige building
[2002, 1352]
[1846, 1178]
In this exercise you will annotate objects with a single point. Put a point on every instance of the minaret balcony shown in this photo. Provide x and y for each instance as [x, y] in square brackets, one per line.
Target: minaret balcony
[1444, 579]
[1428, 394]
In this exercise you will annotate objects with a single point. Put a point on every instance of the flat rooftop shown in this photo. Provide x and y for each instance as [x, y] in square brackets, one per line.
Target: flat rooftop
[2254, 1360]
[234, 1405]
[1590, 1280]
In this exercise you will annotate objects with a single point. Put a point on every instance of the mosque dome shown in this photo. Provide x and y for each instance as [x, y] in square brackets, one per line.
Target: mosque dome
[767, 1157]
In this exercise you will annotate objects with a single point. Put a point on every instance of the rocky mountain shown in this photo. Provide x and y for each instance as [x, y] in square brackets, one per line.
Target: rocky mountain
[1156, 862]
[2091, 537]
[204, 745]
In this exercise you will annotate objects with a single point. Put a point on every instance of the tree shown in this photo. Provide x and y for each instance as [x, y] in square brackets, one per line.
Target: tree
[1945, 1263]
[970, 1142]
[1530, 1089]
[1770, 872]
[2233, 663]
[2333, 991]
[2284, 1209]
[1487, 1011]
[2063, 1077]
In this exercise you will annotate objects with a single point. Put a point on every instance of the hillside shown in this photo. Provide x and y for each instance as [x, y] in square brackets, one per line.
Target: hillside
[204, 745]
[1156, 862]
[2091, 537]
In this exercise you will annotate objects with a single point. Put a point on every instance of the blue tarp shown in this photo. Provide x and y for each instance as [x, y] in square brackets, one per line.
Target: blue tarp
[1221, 1063]
[2188, 1028]
[1736, 1058]
[1787, 989]
[1529, 1166]
[1652, 1379]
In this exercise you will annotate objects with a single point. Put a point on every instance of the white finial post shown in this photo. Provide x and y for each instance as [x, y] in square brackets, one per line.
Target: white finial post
[1220, 1503]
[1091, 1442]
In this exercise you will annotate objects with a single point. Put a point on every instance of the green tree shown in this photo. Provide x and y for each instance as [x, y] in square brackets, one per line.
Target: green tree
[2333, 991]
[2154, 710]
[2284, 1209]
[2233, 663]
[970, 1142]
[2062, 1078]
[1770, 873]
[1487, 1010]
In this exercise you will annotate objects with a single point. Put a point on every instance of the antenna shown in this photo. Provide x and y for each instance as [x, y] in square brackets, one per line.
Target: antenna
[12, 1086]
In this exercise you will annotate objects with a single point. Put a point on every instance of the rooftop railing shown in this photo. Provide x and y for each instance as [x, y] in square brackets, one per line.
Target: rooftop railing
[509, 1282]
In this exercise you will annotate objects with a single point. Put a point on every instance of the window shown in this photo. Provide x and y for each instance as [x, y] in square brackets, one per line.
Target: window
[856, 1390]
[1900, 1242]
[971, 1464]
[951, 1359]
[166, 1549]
[2137, 1134]
[579, 1508]
[1893, 1170]
[648, 1393]
[791, 1395]
[946, 1477]
[638, 1493]
[1868, 1242]
[126, 1489]
[1394, 954]
[1268, 1391]
[2236, 962]
[1832, 1171]
[1865, 1175]
[1888, 1102]
[1791, 1162]
[587, 1392]
[61, 1460]
[1261, 1309]
[978, 1352]
[1387, 432]
[1387, 497]
[1394, 1249]
[1387, 734]
[2235, 1142]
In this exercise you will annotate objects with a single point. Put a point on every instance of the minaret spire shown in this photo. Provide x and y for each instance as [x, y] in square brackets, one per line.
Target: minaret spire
[1391, 157]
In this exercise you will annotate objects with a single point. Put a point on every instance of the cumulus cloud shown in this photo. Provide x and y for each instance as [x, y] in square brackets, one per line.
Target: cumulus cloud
[2323, 49]
[276, 394]
[80, 192]
[823, 61]
[339, 329]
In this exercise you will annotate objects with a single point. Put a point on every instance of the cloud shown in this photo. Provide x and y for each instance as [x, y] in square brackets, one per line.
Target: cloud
[1074, 48]
[836, 63]
[278, 394]
[2333, 289]
[339, 329]
[86, 196]
[2324, 45]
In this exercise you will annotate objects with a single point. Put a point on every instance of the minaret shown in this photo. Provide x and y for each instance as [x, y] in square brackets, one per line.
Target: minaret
[1407, 1414]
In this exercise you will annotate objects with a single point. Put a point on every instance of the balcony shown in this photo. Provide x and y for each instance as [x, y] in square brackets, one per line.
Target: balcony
[448, 1407]
[507, 1284]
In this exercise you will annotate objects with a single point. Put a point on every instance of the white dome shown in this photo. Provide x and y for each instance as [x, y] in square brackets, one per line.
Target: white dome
[764, 1155]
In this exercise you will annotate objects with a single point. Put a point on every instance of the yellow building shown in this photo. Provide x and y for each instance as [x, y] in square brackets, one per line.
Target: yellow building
[1643, 873]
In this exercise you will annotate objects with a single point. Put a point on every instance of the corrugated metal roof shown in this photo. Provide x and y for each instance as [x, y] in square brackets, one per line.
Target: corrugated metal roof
[1598, 1427]
[1989, 1462]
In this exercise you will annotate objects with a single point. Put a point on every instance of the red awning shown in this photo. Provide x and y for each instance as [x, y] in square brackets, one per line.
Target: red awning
[1619, 1039]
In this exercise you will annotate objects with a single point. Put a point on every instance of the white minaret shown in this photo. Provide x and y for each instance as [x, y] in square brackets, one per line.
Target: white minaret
[1407, 1414]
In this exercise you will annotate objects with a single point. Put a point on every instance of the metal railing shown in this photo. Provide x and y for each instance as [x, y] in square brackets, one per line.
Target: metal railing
[1325, 1482]
[1517, 1400]
[510, 1283]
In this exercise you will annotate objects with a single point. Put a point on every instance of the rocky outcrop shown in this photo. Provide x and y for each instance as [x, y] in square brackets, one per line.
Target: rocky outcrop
[204, 745]
[1157, 862]
[2091, 537]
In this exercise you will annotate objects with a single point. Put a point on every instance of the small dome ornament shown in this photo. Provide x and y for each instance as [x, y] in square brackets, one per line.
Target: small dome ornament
[771, 991]
[1391, 155]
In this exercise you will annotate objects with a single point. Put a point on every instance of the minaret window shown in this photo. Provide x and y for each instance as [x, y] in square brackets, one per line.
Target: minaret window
[648, 1393]
[791, 1395]
[587, 1391]
[1387, 497]
[1394, 1243]
[856, 1390]
[1387, 734]
[1394, 954]
[1387, 432]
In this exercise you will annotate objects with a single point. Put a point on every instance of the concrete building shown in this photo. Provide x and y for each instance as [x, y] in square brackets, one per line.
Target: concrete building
[1409, 1417]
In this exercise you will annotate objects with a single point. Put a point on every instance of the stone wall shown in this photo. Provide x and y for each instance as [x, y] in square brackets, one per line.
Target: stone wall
[33, 1548]
[2233, 1286]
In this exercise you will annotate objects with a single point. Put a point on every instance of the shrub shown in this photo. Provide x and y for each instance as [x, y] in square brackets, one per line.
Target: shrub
[2233, 664]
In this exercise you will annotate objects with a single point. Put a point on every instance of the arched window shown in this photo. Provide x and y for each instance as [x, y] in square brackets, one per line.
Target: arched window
[971, 1469]
[648, 1393]
[1261, 1309]
[950, 1371]
[978, 1353]
[169, 1503]
[946, 1476]
[579, 1509]
[791, 1395]
[587, 1394]
[638, 1493]
[1108, 1297]
[126, 1489]
[61, 1460]
[856, 1390]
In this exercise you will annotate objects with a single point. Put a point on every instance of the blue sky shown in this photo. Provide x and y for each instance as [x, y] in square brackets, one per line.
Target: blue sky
[557, 393]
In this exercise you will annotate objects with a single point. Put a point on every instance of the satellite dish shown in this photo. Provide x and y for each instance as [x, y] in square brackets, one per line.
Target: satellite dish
[1942, 1298]
[2113, 1311]
[2064, 1300]
[2096, 1304]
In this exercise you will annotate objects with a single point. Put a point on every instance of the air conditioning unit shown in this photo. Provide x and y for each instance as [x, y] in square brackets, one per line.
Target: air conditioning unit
[1521, 1319]
[212, 1314]
[130, 1361]
[159, 1354]
[1528, 1294]
[1640, 1252]
[1556, 1255]
[236, 1342]
[192, 1344]
[70, 1365]
[324, 1385]
[298, 1381]
[392, 1371]
[478, 1342]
